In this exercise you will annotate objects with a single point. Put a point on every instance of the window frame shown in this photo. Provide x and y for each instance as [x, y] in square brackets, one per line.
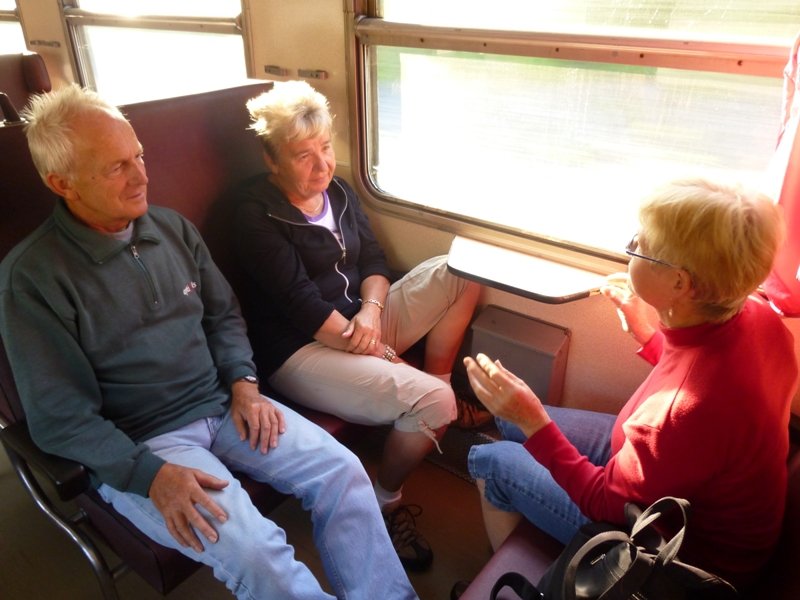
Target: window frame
[11, 16]
[368, 29]
[75, 18]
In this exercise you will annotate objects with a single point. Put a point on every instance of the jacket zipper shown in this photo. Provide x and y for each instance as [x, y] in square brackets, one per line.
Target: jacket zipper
[344, 254]
[341, 245]
[137, 259]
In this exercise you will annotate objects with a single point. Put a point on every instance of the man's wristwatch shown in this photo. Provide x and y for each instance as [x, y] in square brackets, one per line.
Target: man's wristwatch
[248, 379]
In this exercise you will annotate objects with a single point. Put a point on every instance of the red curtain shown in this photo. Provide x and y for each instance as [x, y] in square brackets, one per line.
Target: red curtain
[783, 284]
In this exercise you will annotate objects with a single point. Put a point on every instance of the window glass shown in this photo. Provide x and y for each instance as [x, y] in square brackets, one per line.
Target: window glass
[715, 18]
[11, 38]
[565, 149]
[165, 63]
[193, 8]
[8, 5]
[561, 149]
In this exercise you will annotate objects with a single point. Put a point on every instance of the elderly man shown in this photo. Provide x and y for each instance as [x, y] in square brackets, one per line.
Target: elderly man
[131, 357]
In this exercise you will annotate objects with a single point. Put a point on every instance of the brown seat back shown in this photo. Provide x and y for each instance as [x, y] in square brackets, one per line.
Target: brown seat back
[24, 203]
[196, 149]
[23, 75]
[24, 199]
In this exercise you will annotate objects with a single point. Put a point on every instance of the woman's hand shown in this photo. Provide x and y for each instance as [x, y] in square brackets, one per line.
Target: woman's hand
[364, 331]
[505, 395]
[635, 315]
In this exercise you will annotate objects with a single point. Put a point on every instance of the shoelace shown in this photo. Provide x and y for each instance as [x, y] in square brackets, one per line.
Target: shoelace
[470, 415]
[402, 524]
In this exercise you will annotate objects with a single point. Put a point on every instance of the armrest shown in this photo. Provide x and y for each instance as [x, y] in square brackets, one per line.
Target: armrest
[69, 478]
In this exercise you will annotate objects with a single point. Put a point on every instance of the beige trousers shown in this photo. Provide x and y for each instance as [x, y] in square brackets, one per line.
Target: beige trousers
[368, 389]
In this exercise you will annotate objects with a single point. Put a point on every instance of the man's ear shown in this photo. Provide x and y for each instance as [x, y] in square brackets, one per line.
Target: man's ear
[59, 184]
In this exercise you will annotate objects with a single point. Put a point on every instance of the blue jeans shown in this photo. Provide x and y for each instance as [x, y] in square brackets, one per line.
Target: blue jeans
[252, 556]
[516, 482]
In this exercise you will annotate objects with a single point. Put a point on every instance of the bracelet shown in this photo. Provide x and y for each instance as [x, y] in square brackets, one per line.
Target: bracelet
[389, 353]
[377, 303]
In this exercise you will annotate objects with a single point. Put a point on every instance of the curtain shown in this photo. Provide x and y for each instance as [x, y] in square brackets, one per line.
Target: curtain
[783, 284]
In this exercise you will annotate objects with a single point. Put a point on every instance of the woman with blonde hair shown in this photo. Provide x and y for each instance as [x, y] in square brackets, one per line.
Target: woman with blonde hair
[328, 324]
[709, 423]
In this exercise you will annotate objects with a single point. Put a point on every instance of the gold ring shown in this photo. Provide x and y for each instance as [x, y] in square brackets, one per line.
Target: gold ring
[372, 341]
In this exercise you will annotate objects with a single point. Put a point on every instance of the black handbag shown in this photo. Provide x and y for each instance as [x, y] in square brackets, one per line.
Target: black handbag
[605, 562]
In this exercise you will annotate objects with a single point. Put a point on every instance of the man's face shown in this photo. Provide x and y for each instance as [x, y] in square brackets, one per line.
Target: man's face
[108, 185]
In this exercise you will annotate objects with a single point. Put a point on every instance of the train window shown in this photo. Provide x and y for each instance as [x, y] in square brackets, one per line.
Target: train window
[715, 17]
[11, 38]
[554, 123]
[181, 47]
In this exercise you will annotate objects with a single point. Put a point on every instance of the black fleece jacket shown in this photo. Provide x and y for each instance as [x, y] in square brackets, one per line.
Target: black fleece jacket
[298, 273]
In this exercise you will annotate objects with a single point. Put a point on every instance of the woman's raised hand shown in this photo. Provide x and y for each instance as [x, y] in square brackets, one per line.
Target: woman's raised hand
[635, 315]
[505, 395]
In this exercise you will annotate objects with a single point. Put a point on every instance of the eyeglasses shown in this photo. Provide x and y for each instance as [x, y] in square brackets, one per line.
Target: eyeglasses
[633, 245]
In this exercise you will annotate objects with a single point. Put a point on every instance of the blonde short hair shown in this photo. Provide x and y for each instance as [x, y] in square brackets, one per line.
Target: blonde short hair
[725, 236]
[49, 126]
[291, 110]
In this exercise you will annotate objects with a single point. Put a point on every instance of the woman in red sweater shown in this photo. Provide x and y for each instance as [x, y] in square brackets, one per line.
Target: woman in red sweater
[710, 422]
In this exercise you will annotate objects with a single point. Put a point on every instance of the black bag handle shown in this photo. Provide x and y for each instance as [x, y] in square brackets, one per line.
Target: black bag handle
[641, 566]
[653, 513]
[519, 583]
[571, 572]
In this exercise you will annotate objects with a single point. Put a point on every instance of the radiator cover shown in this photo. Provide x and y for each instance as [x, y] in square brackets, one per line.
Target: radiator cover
[534, 350]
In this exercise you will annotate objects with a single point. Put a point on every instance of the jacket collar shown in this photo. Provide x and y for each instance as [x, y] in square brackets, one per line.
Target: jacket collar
[97, 246]
[278, 205]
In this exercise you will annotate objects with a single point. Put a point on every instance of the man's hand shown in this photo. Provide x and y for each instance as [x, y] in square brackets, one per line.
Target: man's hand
[255, 417]
[505, 394]
[175, 491]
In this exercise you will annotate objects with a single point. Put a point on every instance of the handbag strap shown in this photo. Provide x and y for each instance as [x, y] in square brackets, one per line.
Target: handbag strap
[670, 550]
[571, 572]
[643, 565]
[519, 583]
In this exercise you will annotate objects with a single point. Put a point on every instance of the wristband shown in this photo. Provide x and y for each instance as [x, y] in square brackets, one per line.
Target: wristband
[377, 303]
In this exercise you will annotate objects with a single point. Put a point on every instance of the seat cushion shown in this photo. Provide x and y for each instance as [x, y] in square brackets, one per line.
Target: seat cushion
[528, 551]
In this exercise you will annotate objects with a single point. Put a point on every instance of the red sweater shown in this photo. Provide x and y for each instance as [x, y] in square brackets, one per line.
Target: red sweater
[709, 424]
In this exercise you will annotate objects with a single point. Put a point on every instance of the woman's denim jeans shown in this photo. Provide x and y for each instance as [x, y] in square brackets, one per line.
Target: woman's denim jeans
[516, 482]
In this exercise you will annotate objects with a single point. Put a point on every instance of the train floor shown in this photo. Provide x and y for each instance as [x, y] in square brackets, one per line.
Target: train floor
[37, 561]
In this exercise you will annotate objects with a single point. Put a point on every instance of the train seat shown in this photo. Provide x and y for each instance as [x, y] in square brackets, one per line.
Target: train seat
[780, 581]
[197, 147]
[530, 551]
[21, 76]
